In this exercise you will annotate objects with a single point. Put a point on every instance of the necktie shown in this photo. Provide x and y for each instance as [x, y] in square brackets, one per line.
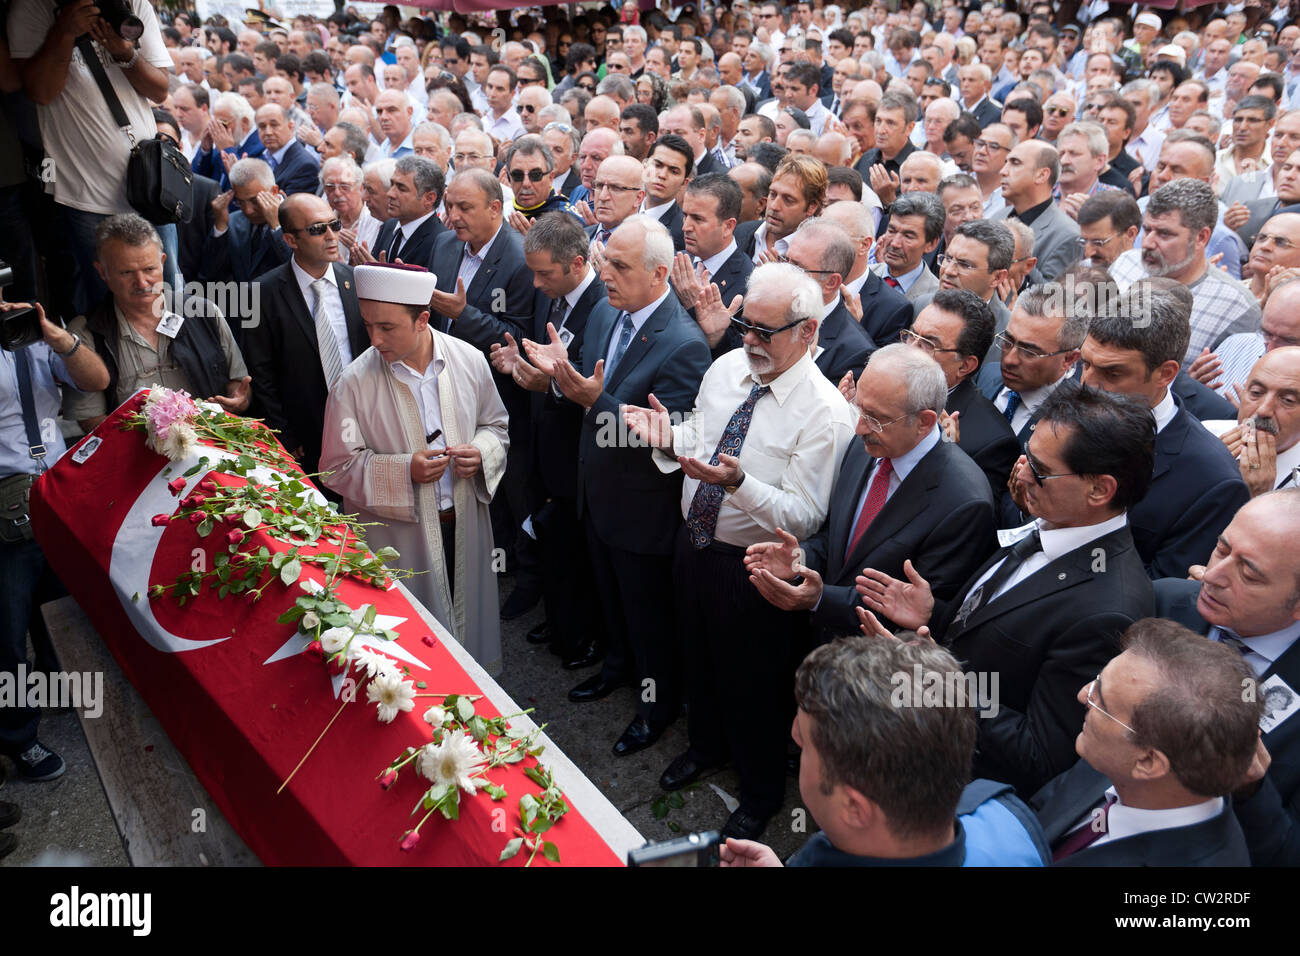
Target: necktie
[395, 245]
[624, 339]
[558, 310]
[892, 282]
[326, 341]
[1086, 835]
[1233, 641]
[702, 518]
[1026, 546]
[875, 500]
[270, 161]
[602, 234]
[1013, 402]
[258, 236]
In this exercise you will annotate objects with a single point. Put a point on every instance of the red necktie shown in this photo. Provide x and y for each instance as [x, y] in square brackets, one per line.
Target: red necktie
[1086, 835]
[892, 282]
[874, 502]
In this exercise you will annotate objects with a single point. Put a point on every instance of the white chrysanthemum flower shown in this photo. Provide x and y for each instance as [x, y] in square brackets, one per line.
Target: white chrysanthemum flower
[392, 694]
[453, 762]
[335, 639]
[180, 443]
[436, 716]
[373, 665]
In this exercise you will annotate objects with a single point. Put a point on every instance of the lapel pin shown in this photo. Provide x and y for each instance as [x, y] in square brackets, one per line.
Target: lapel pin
[643, 338]
[1061, 576]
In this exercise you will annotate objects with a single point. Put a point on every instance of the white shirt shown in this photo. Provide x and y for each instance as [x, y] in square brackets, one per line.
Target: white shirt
[470, 262]
[714, 263]
[782, 246]
[1029, 402]
[656, 212]
[407, 230]
[389, 151]
[799, 426]
[333, 306]
[89, 151]
[1123, 822]
[818, 114]
[1164, 411]
[367, 229]
[1145, 147]
[902, 467]
[1057, 542]
[638, 319]
[424, 389]
[1264, 649]
[507, 126]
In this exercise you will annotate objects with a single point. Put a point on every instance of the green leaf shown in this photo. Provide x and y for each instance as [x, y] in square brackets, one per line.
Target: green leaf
[277, 562]
[674, 826]
[252, 518]
[659, 808]
[478, 728]
[676, 801]
[551, 852]
[223, 590]
[291, 615]
[422, 685]
[263, 552]
[369, 617]
[221, 559]
[290, 570]
[205, 527]
[464, 709]
[512, 848]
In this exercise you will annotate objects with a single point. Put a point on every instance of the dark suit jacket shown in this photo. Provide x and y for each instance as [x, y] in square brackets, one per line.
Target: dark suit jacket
[418, 249]
[984, 435]
[1045, 638]
[234, 255]
[1196, 488]
[190, 236]
[941, 517]
[762, 85]
[296, 173]
[987, 113]
[744, 236]
[1067, 799]
[284, 358]
[1204, 404]
[708, 165]
[672, 221]
[209, 163]
[732, 279]
[572, 180]
[885, 311]
[628, 501]
[557, 422]
[844, 345]
[1271, 817]
[872, 156]
[489, 314]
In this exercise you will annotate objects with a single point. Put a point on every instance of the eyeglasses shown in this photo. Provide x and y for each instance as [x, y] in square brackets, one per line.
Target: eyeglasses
[991, 146]
[469, 157]
[1098, 243]
[613, 187]
[1057, 111]
[929, 346]
[965, 266]
[534, 175]
[527, 107]
[1039, 477]
[589, 87]
[875, 424]
[1007, 344]
[764, 335]
[562, 127]
[1097, 707]
[318, 228]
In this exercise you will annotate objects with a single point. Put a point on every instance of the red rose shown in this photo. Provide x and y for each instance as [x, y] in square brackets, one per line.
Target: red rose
[208, 485]
[314, 649]
[176, 485]
[428, 639]
[411, 841]
[196, 517]
[235, 536]
[388, 779]
[160, 520]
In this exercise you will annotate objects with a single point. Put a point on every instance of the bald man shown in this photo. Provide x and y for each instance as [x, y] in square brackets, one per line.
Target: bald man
[1265, 438]
[1226, 368]
[617, 193]
[601, 113]
[394, 112]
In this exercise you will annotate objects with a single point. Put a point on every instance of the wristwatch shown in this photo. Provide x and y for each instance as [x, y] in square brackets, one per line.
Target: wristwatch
[731, 489]
[76, 344]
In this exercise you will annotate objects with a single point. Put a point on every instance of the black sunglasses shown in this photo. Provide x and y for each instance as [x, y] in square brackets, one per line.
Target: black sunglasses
[318, 228]
[534, 175]
[764, 335]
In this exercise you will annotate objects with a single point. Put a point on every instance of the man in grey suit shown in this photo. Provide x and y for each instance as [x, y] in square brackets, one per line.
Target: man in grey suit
[1262, 210]
[915, 228]
[1256, 183]
[1030, 172]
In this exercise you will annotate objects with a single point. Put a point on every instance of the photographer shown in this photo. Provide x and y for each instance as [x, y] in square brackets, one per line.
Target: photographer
[30, 442]
[88, 150]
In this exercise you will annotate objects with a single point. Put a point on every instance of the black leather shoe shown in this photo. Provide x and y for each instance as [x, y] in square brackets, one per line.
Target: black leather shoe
[639, 735]
[541, 634]
[8, 843]
[743, 825]
[583, 657]
[594, 688]
[521, 601]
[10, 813]
[685, 769]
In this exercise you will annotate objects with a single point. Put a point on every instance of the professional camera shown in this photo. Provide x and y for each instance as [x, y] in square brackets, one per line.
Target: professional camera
[19, 328]
[118, 15]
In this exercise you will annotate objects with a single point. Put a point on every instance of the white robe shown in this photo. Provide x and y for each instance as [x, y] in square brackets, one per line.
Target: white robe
[372, 428]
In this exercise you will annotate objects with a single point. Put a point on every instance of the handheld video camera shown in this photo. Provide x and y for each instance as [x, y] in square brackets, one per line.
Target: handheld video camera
[19, 328]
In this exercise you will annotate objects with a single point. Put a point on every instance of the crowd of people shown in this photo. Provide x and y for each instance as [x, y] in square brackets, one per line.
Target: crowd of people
[775, 350]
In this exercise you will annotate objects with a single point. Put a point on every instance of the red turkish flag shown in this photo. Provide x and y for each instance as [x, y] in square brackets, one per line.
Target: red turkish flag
[243, 704]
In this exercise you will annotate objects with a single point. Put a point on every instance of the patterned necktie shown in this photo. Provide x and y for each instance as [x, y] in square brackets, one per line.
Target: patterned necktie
[892, 282]
[602, 234]
[1233, 641]
[702, 518]
[1013, 402]
[624, 339]
[1086, 835]
[558, 310]
[875, 501]
[395, 245]
[1028, 545]
[326, 341]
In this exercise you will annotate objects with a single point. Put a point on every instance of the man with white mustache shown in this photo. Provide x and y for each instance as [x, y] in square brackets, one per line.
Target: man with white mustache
[1265, 438]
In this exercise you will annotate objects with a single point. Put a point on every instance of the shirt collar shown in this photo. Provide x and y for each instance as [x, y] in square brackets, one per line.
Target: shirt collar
[656, 211]
[640, 315]
[1269, 646]
[1165, 411]
[1058, 542]
[573, 297]
[1122, 821]
[787, 381]
[407, 143]
[831, 306]
[905, 462]
[279, 153]
[408, 230]
[482, 253]
[714, 263]
[907, 279]
[1033, 212]
[760, 240]
[435, 367]
[1034, 397]
[305, 279]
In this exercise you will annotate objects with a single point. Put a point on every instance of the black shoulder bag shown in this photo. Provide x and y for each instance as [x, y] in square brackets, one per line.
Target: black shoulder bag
[159, 181]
